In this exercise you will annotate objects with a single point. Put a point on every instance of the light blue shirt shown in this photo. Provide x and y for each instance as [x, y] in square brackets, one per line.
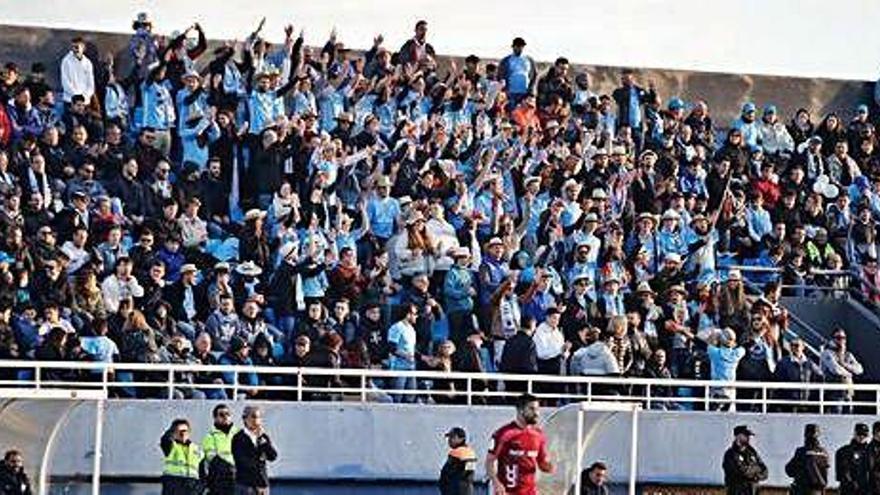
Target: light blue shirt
[402, 336]
[157, 107]
[383, 215]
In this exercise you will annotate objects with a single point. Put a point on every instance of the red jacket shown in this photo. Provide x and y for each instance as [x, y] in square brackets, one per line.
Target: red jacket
[769, 191]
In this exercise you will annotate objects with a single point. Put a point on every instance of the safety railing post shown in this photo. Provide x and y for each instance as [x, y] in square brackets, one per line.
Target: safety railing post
[38, 372]
[363, 389]
[299, 385]
[764, 399]
[470, 391]
[235, 384]
[170, 383]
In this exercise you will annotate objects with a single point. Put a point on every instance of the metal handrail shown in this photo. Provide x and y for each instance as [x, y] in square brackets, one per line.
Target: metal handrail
[362, 389]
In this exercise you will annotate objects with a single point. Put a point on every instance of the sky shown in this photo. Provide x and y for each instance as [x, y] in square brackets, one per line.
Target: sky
[812, 38]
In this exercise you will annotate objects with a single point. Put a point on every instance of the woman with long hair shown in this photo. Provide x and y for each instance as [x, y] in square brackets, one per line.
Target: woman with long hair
[415, 248]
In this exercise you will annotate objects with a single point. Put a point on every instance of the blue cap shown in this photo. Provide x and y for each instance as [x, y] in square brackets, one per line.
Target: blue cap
[769, 109]
[748, 107]
[862, 183]
[675, 103]
[862, 108]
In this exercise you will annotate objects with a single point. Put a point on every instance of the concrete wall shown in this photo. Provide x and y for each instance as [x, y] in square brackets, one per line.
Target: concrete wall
[725, 93]
[329, 441]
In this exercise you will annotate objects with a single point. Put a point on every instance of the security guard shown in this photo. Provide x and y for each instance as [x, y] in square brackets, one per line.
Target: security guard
[217, 445]
[874, 458]
[852, 463]
[182, 471]
[457, 475]
[809, 465]
[743, 467]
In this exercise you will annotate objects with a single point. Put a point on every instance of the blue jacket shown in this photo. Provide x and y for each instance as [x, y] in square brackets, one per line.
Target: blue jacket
[456, 289]
[157, 108]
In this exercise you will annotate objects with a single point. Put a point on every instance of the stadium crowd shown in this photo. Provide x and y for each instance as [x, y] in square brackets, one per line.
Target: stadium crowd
[276, 204]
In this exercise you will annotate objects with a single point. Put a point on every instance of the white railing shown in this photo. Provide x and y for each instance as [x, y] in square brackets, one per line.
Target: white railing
[371, 385]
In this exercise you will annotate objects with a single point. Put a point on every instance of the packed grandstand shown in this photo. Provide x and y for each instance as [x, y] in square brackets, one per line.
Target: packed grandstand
[288, 206]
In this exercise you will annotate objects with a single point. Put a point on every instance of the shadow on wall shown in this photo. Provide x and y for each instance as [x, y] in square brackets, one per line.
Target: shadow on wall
[725, 93]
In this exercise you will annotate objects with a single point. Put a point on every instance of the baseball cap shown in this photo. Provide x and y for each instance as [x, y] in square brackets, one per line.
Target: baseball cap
[744, 430]
[456, 431]
[862, 429]
[519, 41]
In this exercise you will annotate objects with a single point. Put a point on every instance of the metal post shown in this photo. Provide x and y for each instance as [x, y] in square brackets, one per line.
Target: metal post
[648, 395]
[99, 440]
[633, 452]
[764, 399]
[37, 373]
[235, 384]
[299, 385]
[470, 390]
[363, 389]
[579, 453]
[170, 383]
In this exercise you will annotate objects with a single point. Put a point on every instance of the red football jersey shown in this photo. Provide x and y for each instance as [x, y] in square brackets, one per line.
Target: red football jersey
[519, 451]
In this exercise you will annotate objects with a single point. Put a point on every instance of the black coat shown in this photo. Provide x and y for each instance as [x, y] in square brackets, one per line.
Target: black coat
[457, 474]
[743, 470]
[13, 483]
[250, 459]
[851, 464]
[809, 469]
[520, 355]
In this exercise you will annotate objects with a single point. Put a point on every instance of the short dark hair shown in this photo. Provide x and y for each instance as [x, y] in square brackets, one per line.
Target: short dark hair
[179, 421]
[561, 61]
[218, 408]
[598, 465]
[11, 453]
[421, 23]
[77, 99]
[523, 400]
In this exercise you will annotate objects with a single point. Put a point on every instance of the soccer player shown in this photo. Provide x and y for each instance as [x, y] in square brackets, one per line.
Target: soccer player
[519, 448]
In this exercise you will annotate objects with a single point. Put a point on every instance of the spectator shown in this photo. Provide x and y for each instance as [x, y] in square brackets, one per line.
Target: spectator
[77, 73]
[518, 72]
[796, 368]
[839, 366]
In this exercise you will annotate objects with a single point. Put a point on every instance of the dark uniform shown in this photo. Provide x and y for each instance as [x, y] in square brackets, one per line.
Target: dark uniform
[874, 460]
[852, 464]
[809, 465]
[13, 481]
[457, 474]
[743, 467]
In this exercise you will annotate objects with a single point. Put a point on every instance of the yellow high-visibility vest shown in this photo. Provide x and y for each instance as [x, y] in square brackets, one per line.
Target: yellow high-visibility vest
[183, 460]
[219, 444]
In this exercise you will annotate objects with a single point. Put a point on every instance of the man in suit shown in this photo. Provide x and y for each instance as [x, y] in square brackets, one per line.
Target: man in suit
[251, 450]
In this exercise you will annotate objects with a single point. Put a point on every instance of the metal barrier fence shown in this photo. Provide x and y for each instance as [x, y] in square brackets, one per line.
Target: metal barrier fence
[375, 385]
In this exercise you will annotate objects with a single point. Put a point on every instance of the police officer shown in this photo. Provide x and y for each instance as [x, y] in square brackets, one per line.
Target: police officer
[457, 475]
[851, 463]
[809, 465]
[743, 467]
[181, 474]
[874, 459]
[217, 445]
